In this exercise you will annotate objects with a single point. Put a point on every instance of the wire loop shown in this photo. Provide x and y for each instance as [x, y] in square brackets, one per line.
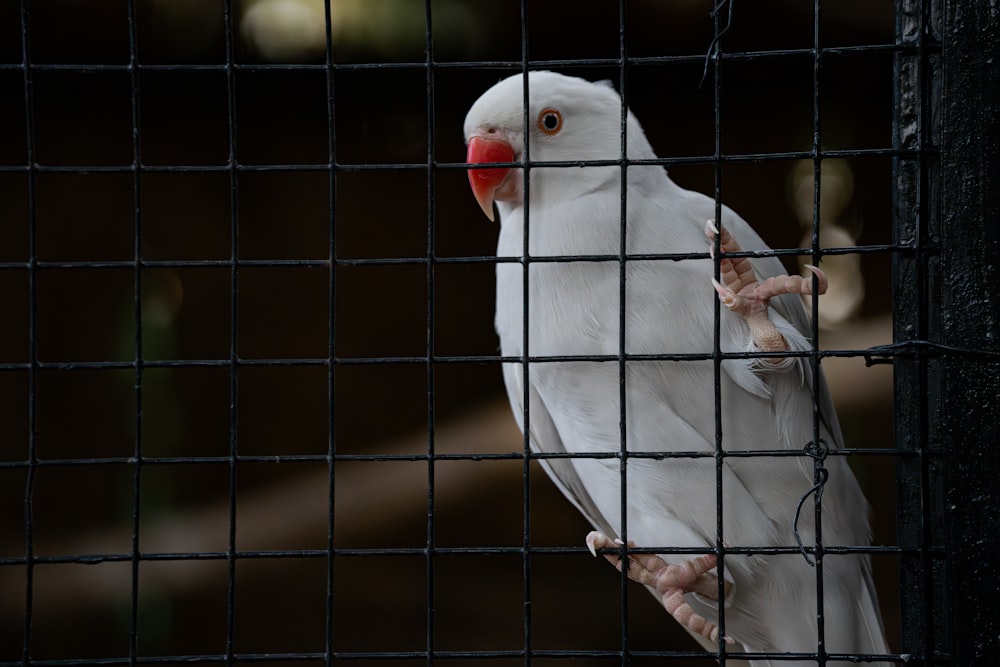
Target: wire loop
[818, 451]
[713, 47]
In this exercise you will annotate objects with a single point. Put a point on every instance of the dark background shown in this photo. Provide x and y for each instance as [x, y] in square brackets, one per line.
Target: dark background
[85, 314]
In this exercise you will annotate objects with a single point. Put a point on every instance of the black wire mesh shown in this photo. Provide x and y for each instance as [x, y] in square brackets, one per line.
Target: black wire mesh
[225, 320]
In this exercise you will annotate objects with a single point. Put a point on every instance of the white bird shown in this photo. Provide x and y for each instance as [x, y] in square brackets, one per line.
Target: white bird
[770, 600]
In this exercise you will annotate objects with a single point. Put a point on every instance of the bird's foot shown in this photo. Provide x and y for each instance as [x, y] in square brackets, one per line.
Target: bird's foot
[670, 582]
[741, 292]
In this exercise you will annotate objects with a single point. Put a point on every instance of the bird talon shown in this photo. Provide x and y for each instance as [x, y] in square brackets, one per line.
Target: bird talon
[822, 282]
[594, 542]
[742, 292]
[670, 582]
[727, 296]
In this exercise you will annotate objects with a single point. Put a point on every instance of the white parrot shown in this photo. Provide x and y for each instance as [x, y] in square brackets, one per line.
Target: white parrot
[770, 600]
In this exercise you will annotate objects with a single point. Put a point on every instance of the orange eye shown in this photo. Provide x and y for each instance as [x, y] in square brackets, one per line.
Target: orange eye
[550, 121]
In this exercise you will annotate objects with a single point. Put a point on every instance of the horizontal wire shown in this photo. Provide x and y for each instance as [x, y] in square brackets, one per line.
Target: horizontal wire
[472, 64]
[686, 160]
[445, 457]
[438, 654]
[420, 261]
[165, 264]
[417, 552]
[887, 351]
[183, 363]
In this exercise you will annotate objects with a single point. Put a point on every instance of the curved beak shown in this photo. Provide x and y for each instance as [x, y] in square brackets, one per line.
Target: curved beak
[485, 182]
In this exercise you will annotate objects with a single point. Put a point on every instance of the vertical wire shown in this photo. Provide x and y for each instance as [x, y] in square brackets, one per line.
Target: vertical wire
[526, 377]
[922, 241]
[819, 473]
[233, 333]
[331, 347]
[920, 245]
[622, 309]
[717, 332]
[429, 48]
[139, 365]
[29, 484]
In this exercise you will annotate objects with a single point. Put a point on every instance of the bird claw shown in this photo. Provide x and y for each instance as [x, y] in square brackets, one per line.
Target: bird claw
[670, 582]
[740, 291]
[728, 297]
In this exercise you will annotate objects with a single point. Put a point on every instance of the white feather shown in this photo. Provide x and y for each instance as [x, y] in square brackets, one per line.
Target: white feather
[575, 406]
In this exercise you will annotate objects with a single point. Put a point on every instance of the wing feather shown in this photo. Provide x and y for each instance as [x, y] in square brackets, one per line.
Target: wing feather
[545, 438]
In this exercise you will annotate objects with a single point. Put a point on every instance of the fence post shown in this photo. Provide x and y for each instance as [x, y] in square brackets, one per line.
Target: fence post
[970, 319]
[947, 291]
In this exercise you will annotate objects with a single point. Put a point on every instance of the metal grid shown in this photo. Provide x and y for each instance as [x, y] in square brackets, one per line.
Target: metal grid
[919, 353]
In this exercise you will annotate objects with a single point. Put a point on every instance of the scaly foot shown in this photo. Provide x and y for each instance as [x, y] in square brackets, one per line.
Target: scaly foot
[670, 582]
[741, 292]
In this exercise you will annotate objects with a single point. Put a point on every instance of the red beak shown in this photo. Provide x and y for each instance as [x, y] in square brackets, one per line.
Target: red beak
[485, 182]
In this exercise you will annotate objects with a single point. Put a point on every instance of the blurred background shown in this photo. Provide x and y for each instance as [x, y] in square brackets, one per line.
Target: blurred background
[88, 211]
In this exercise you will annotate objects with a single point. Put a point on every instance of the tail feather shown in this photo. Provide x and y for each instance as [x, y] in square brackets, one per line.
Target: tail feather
[852, 623]
[869, 621]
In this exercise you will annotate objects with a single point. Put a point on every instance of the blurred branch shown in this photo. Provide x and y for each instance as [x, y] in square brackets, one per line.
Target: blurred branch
[286, 516]
[282, 517]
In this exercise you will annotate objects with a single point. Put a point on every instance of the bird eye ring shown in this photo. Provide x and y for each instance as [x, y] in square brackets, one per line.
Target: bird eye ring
[550, 121]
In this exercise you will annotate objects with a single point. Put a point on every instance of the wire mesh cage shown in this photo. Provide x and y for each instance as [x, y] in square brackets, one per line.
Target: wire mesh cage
[252, 398]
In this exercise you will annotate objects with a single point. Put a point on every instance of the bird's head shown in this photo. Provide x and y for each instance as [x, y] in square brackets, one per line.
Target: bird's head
[568, 119]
